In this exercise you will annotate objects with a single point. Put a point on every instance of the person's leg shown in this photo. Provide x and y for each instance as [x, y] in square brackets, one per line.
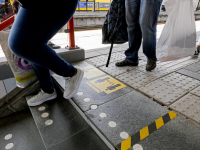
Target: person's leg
[149, 12]
[133, 29]
[29, 36]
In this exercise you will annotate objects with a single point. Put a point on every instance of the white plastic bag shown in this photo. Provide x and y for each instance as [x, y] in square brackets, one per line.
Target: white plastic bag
[22, 69]
[178, 38]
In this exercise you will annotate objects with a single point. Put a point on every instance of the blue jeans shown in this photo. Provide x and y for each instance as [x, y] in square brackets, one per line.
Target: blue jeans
[142, 18]
[30, 33]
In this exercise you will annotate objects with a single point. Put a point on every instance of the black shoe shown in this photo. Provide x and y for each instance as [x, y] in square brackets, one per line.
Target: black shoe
[151, 64]
[125, 63]
[53, 46]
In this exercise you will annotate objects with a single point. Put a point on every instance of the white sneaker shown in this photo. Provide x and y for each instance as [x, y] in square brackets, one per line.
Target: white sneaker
[72, 84]
[41, 97]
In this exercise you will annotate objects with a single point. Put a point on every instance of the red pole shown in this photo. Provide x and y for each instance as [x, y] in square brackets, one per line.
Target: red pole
[71, 34]
[7, 23]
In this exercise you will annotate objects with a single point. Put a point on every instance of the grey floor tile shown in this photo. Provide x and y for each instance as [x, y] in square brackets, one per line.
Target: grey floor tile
[131, 112]
[25, 135]
[10, 84]
[189, 105]
[2, 90]
[91, 54]
[85, 140]
[178, 134]
[189, 73]
[5, 71]
[65, 120]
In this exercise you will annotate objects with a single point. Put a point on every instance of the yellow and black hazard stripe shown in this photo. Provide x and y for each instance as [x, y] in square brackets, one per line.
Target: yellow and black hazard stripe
[132, 140]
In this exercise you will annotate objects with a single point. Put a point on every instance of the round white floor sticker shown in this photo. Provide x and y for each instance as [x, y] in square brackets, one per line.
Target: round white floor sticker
[80, 93]
[44, 115]
[86, 99]
[112, 124]
[94, 106]
[49, 122]
[8, 137]
[137, 147]
[102, 115]
[41, 108]
[9, 146]
[124, 135]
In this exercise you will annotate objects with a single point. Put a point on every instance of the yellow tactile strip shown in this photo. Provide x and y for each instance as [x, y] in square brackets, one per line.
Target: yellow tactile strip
[146, 131]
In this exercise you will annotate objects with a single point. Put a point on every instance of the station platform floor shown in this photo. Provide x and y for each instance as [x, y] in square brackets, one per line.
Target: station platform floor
[124, 108]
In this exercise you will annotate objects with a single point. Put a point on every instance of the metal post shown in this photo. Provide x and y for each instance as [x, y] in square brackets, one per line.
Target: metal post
[94, 7]
[86, 5]
[71, 35]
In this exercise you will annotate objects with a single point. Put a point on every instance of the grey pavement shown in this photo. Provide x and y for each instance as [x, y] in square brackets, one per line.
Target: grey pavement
[118, 102]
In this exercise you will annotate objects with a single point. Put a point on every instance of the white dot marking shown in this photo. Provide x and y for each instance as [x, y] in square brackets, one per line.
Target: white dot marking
[49, 122]
[124, 135]
[94, 107]
[112, 124]
[41, 108]
[102, 115]
[8, 137]
[9, 146]
[86, 99]
[44, 115]
[137, 147]
[80, 93]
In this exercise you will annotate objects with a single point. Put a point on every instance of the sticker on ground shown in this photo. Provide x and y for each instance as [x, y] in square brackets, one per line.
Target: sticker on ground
[92, 72]
[106, 84]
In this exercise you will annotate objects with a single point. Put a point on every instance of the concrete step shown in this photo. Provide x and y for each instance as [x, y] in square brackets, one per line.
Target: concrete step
[122, 117]
[19, 132]
[61, 127]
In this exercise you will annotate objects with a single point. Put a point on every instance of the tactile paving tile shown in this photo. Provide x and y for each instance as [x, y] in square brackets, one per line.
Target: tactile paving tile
[102, 60]
[117, 56]
[181, 81]
[135, 78]
[113, 70]
[99, 61]
[188, 105]
[163, 91]
[159, 71]
[196, 91]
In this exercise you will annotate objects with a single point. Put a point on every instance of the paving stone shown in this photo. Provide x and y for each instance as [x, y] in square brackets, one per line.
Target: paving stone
[10, 84]
[194, 67]
[189, 73]
[113, 70]
[135, 78]
[159, 71]
[181, 81]
[91, 54]
[62, 122]
[196, 91]
[119, 110]
[163, 92]
[25, 135]
[86, 139]
[102, 60]
[104, 51]
[2, 90]
[5, 71]
[99, 61]
[189, 105]
[178, 134]
[96, 86]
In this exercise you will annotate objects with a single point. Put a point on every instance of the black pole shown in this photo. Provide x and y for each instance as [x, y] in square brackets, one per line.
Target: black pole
[94, 6]
[86, 5]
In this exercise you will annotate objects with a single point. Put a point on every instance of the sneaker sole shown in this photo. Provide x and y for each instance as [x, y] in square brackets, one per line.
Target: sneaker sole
[77, 87]
[42, 101]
